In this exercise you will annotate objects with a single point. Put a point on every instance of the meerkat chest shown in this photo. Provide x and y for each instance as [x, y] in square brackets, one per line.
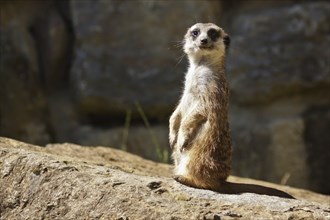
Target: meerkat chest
[198, 82]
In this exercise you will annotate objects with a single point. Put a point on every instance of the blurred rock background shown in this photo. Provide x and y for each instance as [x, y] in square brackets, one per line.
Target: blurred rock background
[108, 72]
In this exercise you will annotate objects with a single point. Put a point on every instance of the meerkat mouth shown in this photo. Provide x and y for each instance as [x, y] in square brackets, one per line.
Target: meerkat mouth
[207, 47]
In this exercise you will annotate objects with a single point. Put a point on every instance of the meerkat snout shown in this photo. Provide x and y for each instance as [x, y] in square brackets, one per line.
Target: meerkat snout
[204, 41]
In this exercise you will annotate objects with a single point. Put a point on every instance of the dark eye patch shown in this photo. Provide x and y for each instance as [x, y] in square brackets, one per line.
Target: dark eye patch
[195, 33]
[213, 34]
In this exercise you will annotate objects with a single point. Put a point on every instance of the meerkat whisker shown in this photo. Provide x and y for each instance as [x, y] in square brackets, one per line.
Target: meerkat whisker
[178, 44]
[180, 59]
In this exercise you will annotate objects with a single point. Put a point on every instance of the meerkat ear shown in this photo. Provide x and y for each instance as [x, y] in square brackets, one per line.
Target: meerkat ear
[226, 41]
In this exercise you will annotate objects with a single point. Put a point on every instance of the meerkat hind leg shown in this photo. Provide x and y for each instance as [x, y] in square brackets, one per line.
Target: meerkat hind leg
[185, 180]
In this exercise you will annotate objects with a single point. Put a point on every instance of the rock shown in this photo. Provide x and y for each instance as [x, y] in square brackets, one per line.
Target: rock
[123, 59]
[316, 137]
[73, 182]
[42, 32]
[279, 114]
[278, 70]
[271, 63]
[149, 142]
[287, 136]
[34, 57]
[23, 104]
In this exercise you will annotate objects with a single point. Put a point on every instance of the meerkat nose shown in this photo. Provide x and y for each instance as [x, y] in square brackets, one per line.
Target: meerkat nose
[204, 41]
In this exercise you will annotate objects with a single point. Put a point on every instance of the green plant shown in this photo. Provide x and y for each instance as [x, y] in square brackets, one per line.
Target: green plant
[126, 129]
[162, 154]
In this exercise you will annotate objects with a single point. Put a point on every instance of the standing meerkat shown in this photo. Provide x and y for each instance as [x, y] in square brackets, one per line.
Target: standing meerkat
[199, 129]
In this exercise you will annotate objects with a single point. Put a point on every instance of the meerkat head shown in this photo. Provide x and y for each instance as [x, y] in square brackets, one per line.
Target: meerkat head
[205, 39]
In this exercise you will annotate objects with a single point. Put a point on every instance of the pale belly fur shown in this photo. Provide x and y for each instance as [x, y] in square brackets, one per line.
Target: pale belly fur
[181, 168]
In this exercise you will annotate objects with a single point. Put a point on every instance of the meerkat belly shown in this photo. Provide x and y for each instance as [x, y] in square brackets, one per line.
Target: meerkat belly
[181, 168]
[189, 104]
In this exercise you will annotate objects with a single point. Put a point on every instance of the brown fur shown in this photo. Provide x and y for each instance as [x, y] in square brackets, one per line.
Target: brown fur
[199, 130]
[201, 118]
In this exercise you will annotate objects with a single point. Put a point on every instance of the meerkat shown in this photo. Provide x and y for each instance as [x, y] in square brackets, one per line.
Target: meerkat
[199, 130]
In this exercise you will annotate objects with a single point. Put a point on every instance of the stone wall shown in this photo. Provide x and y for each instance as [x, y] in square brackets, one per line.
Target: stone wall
[279, 74]
[110, 72]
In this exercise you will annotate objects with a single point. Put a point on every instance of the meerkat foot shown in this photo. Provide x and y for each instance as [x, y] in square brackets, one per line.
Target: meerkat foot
[184, 180]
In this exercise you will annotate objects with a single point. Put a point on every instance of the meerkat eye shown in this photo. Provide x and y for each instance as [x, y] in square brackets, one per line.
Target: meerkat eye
[195, 33]
[213, 34]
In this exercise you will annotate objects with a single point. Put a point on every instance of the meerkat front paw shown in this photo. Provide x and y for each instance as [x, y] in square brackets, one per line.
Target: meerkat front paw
[172, 139]
[181, 142]
[175, 121]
